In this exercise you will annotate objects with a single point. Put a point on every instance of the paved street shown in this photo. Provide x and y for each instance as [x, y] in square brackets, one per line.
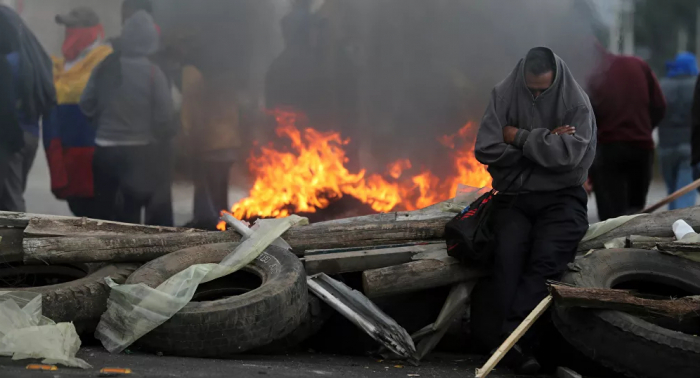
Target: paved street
[306, 365]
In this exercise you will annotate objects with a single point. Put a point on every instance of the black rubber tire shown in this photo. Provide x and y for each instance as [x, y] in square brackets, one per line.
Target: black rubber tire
[81, 301]
[225, 327]
[625, 343]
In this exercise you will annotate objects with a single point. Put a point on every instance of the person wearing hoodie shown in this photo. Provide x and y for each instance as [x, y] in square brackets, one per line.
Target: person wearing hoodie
[628, 104]
[538, 139]
[674, 148]
[695, 131]
[68, 137]
[29, 91]
[131, 107]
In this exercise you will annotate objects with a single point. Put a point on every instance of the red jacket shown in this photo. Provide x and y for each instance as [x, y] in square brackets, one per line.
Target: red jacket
[627, 101]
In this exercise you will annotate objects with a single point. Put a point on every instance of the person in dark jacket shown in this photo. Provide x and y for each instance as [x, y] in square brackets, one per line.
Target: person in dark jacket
[538, 139]
[132, 116]
[31, 91]
[675, 130]
[628, 104]
[695, 132]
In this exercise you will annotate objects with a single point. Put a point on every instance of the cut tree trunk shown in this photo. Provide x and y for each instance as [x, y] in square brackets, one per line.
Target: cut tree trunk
[54, 225]
[141, 248]
[657, 224]
[626, 301]
[415, 276]
[343, 261]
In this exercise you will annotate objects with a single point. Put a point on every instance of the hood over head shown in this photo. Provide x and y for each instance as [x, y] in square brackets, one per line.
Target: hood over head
[685, 64]
[139, 36]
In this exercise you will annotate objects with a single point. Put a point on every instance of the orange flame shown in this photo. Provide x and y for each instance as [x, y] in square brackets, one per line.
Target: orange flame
[312, 173]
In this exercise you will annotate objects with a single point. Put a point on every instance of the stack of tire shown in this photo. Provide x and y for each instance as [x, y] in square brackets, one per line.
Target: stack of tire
[628, 344]
[79, 294]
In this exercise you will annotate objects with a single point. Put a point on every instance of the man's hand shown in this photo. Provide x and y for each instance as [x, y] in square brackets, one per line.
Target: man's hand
[509, 134]
[564, 130]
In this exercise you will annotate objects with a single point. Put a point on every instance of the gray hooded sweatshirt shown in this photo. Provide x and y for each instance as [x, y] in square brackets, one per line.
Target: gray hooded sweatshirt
[538, 160]
[142, 102]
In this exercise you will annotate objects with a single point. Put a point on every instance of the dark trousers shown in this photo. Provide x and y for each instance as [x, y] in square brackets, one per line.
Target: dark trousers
[127, 180]
[210, 191]
[621, 176]
[14, 170]
[536, 237]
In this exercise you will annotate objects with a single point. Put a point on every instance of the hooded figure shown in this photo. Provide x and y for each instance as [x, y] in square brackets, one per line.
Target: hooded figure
[28, 92]
[674, 149]
[68, 137]
[538, 138]
[132, 115]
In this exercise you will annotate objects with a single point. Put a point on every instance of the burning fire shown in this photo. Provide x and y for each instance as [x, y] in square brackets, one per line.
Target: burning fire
[312, 173]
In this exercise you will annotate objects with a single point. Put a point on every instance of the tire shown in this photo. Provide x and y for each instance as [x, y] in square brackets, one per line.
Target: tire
[224, 327]
[81, 300]
[628, 344]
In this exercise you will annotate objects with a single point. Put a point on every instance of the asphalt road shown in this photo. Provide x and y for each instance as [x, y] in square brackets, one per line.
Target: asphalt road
[306, 365]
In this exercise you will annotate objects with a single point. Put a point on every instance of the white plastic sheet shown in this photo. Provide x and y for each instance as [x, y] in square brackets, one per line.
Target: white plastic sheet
[25, 333]
[135, 310]
[600, 228]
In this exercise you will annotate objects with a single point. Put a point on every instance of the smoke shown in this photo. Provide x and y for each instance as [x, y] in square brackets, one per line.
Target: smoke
[393, 75]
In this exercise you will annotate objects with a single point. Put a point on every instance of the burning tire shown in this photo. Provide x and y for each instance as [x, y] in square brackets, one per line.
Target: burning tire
[628, 344]
[265, 301]
[70, 293]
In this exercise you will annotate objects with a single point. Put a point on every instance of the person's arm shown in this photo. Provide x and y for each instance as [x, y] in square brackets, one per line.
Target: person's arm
[88, 100]
[490, 148]
[657, 102]
[163, 107]
[562, 152]
[695, 138]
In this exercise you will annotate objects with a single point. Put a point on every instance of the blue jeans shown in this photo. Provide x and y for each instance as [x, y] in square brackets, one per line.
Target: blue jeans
[677, 172]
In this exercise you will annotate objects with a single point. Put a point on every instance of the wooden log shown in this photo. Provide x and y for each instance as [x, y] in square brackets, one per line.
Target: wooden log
[141, 248]
[360, 260]
[415, 276]
[626, 301]
[657, 224]
[678, 247]
[116, 248]
[646, 242]
[10, 244]
[54, 225]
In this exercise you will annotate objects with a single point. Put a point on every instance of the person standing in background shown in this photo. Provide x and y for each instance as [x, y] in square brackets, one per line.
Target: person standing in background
[69, 139]
[628, 104]
[132, 108]
[675, 130]
[30, 91]
[695, 131]
[211, 128]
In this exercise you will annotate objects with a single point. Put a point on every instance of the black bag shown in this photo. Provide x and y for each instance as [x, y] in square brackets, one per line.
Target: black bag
[469, 239]
[469, 236]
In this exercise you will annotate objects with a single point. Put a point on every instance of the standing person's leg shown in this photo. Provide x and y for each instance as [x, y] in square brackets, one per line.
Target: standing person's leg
[669, 170]
[106, 181]
[16, 179]
[136, 182]
[561, 221]
[684, 177]
[5, 157]
[639, 168]
[159, 210]
[609, 183]
[218, 178]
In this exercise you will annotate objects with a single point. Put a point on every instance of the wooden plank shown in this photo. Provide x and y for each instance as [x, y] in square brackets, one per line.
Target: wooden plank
[514, 338]
[415, 276]
[656, 224]
[646, 242]
[672, 197]
[357, 261]
[55, 225]
[626, 301]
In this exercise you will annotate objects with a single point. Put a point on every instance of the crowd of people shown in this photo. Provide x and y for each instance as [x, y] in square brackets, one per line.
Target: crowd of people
[108, 119]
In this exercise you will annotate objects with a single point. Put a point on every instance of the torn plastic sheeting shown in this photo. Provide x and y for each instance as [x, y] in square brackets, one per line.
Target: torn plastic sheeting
[135, 310]
[362, 312]
[597, 229]
[25, 333]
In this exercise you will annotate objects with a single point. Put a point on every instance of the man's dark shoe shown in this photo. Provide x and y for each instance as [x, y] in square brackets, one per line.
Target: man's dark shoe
[520, 362]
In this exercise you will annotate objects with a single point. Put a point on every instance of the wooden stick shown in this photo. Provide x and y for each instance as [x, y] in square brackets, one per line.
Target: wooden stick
[514, 337]
[679, 193]
[626, 301]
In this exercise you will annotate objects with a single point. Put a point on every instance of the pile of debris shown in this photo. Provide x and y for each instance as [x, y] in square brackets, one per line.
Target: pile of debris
[184, 277]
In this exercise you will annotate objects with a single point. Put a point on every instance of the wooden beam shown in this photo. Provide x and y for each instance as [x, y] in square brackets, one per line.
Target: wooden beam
[626, 301]
[415, 276]
[357, 261]
[656, 224]
[672, 197]
[646, 242]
